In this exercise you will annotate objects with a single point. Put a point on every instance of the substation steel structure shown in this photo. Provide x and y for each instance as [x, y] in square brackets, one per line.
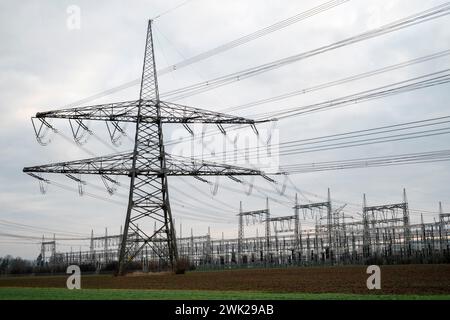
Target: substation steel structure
[263, 215]
[383, 235]
[147, 166]
[375, 218]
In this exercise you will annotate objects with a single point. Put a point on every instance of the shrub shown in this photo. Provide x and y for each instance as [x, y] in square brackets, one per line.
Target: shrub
[182, 265]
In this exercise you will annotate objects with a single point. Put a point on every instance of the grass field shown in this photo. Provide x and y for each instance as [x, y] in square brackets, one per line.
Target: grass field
[123, 294]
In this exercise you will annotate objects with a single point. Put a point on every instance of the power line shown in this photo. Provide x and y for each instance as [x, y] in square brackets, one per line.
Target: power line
[255, 35]
[11, 224]
[415, 83]
[170, 10]
[427, 13]
[415, 122]
[421, 17]
[188, 205]
[295, 146]
[352, 78]
[358, 133]
[191, 185]
[68, 188]
[227, 46]
[412, 158]
[411, 18]
[435, 78]
[29, 237]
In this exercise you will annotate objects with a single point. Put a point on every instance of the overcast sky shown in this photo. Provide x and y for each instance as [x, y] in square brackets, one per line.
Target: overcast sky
[45, 65]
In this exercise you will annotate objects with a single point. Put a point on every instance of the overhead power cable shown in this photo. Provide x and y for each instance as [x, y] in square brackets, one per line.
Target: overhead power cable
[415, 83]
[15, 225]
[255, 35]
[224, 47]
[420, 82]
[421, 17]
[21, 236]
[347, 139]
[188, 213]
[401, 159]
[170, 10]
[329, 84]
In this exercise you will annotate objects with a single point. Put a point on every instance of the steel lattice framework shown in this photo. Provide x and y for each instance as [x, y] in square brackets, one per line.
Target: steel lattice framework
[148, 165]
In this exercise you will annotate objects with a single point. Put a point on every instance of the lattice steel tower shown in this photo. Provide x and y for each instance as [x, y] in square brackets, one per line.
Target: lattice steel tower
[148, 165]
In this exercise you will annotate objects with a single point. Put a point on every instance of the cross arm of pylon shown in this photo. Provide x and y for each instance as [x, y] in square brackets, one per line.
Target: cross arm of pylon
[121, 164]
[128, 111]
[181, 166]
[284, 218]
[177, 113]
[252, 213]
[117, 164]
[120, 111]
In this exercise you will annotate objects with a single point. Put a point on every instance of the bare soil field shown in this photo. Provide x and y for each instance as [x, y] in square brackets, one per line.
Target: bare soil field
[399, 279]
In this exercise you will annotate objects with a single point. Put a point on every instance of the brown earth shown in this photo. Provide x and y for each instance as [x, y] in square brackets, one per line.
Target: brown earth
[400, 279]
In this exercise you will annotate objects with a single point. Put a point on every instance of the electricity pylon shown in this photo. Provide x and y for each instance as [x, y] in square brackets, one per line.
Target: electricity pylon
[148, 165]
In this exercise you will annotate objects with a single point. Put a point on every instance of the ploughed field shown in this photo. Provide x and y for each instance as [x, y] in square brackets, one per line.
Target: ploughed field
[398, 280]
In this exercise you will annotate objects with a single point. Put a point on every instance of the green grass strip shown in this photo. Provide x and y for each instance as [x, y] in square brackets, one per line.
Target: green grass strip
[126, 294]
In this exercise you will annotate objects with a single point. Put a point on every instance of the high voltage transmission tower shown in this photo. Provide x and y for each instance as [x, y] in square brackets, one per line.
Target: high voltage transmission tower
[148, 165]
